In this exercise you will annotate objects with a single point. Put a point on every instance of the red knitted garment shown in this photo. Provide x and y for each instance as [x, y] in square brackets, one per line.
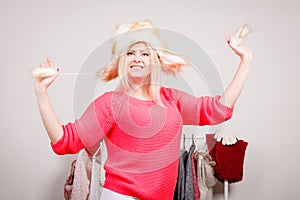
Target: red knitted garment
[229, 160]
[142, 138]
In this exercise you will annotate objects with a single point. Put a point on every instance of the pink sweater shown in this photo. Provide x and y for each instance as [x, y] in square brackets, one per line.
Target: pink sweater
[142, 138]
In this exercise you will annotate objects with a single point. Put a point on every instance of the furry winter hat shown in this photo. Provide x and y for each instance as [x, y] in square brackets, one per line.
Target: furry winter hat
[126, 34]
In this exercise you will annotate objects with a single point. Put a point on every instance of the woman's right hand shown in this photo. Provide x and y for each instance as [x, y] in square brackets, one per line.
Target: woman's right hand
[42, 83]
[50, 120]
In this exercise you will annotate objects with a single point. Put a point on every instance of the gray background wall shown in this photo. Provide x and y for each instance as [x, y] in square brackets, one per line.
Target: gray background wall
[266, 115]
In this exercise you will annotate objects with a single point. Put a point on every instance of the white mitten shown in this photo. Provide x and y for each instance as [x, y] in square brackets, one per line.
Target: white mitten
[43, 72]
[227, 137]
[240, 36]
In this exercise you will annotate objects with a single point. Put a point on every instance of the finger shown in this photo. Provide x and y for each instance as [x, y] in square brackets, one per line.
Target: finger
[45, 63]
[227, 38]
[50, 62]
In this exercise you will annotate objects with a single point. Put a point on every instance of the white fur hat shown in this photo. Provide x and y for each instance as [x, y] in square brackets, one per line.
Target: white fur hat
[126, 34]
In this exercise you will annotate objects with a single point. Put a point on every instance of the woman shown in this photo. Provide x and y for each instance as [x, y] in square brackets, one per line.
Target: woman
[140, 122]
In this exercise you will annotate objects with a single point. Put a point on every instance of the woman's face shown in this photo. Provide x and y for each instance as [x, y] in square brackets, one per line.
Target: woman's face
[138, 60]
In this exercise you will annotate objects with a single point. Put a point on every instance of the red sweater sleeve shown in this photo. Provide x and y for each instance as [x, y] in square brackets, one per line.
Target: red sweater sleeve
[88, 130]
[69, 143]
[201, 110]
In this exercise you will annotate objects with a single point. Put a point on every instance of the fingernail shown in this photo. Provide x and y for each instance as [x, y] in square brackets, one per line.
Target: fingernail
[228, 41]
[57, 69]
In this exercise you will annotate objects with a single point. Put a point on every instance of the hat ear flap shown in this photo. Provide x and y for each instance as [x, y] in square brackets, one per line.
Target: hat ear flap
[109, 72]
[172, 63]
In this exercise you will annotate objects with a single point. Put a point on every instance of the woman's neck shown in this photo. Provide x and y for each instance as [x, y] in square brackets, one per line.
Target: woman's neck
[139, 91]
[139, 88]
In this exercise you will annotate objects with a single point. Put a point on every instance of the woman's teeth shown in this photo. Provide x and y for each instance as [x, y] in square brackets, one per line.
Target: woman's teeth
[136, 67]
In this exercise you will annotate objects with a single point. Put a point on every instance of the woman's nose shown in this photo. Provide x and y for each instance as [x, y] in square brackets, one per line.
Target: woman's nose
[137, 58]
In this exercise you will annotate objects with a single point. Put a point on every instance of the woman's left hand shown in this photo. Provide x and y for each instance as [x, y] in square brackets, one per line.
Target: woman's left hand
[244, 53]
[233, 90]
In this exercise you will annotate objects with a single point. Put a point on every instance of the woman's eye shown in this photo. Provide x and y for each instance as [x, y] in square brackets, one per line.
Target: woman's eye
[145, 54]
[129, 53]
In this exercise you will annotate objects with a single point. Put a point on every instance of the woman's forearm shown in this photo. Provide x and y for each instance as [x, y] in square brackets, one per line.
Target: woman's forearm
[50, 121]
[234, 89]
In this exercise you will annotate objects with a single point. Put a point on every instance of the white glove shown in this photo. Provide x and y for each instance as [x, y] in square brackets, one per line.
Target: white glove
[229, 138]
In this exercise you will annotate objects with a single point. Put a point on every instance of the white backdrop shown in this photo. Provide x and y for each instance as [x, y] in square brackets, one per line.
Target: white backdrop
[266, 115]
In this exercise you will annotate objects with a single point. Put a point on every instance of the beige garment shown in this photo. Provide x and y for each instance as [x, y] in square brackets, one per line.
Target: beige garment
[85, 173]
[82, 176]
[205, 175]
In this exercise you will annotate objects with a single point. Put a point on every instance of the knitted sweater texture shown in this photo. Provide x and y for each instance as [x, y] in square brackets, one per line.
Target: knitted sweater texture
[142, 138]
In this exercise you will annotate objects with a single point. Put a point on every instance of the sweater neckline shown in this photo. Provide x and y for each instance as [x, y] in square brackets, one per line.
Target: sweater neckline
[134, 99]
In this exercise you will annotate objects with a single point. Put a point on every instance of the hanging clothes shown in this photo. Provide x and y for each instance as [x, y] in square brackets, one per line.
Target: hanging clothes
[69, 182]
[180, 186]
[205, 175]
[82, 176]
[195, 181]
[187, 187]
[84, 181]
[191, 190]
[229, 160]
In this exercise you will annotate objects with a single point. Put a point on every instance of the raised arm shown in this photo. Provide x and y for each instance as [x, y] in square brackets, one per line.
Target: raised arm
[234, 89]
[49, 118]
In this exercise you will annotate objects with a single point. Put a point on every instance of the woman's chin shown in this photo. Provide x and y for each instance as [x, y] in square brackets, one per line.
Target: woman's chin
[138, 74]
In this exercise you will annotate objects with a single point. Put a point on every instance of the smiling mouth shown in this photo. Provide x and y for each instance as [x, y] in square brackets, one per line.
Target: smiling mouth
[136, 67]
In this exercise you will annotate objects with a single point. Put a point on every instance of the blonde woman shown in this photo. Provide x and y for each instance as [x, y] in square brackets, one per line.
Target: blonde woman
[141, 121]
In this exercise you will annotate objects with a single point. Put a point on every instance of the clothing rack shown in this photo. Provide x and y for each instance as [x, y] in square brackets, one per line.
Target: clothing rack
[225, 182]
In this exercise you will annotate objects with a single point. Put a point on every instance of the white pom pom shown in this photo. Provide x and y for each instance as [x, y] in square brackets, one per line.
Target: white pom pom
[41, 72]
[240, 36]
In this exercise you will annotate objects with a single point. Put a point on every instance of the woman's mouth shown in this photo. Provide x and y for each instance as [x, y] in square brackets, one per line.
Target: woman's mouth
[136, 67]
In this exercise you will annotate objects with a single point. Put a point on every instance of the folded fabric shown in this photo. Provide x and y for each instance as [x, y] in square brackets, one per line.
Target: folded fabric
[229, 161]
